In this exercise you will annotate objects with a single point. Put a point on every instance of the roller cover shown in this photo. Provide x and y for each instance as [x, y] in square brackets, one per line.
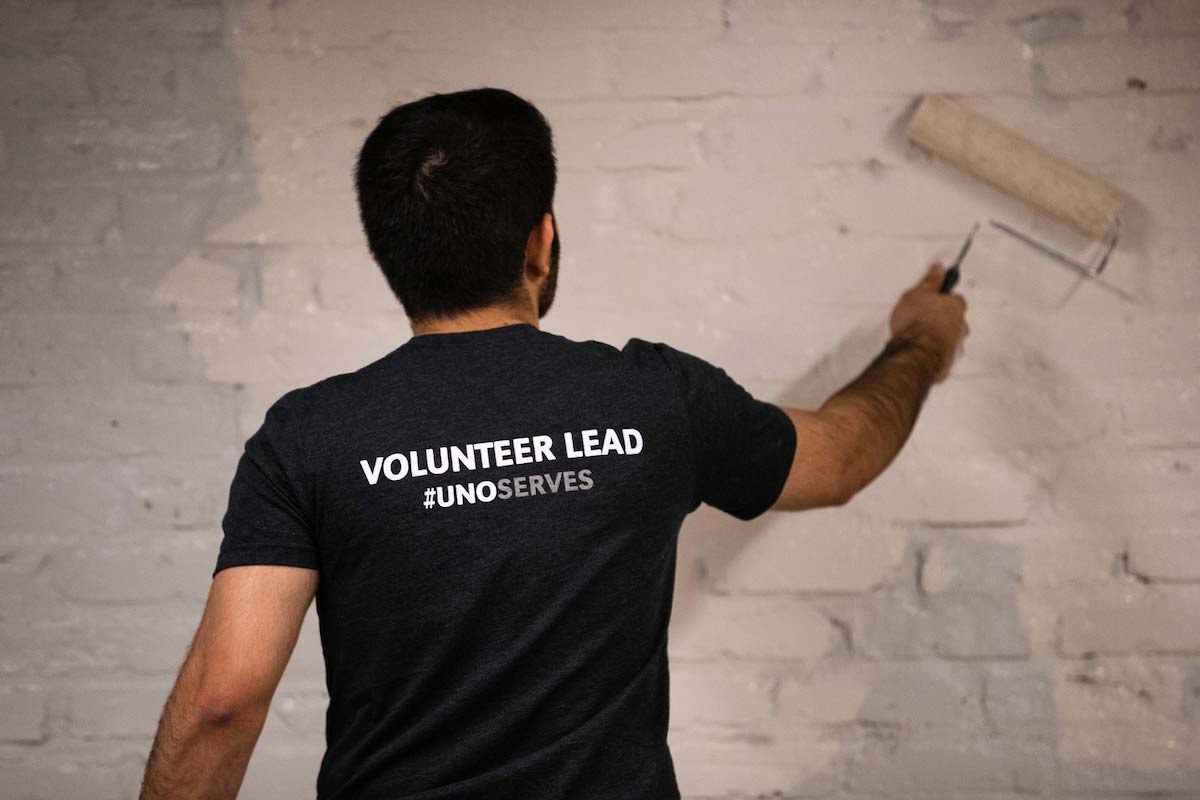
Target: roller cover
[1014, 164]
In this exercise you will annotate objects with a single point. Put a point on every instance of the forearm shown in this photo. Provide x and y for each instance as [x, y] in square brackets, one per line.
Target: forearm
[875, 413]
[197, 756]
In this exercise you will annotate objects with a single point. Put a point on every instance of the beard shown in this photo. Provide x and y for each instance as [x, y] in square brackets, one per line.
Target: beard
[546, 293]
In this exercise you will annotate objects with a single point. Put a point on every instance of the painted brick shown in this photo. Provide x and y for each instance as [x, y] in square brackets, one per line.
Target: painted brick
[132, 76]
[103, 144]
[116, 710]
[62, 779]
[794, 554]
[720, 694]
[122, 420]
[796, 766]
[143, 572]
[53, 80]
[1097, 704]
[1164, 64]
[295, 349]
[950, 487]
[179, 245]
[1132, 617]
[768, 627]
[22, 715]
[1169, 556]
[68, 216]
[916, 695]
[951, 763]
[911, 68]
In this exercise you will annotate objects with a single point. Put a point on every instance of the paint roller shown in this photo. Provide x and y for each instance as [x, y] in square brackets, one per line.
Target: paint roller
[1019, 167]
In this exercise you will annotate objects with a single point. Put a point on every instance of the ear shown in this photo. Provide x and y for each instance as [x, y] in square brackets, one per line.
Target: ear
[537, 248]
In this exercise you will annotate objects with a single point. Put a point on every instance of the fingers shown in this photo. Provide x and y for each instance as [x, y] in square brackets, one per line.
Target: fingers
[933, 277]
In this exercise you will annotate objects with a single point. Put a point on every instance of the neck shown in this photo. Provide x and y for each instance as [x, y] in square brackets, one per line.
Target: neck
[475, 319]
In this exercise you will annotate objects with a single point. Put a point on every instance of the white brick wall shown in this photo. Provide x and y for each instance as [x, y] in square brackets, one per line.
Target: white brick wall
[1013, 610]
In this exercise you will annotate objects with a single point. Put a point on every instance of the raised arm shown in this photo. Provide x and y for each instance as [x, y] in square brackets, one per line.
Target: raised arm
[855, 434]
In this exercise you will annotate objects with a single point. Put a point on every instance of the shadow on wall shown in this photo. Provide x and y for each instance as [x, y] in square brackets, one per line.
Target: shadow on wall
[969, 662]
[125, 142]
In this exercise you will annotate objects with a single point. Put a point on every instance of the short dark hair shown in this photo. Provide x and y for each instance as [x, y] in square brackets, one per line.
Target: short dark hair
[449, 188]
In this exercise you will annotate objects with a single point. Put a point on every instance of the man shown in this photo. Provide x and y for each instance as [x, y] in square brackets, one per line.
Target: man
[491, 509]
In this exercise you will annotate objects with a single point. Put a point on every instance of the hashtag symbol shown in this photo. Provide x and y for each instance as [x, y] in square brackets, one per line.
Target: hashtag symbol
[429, 495]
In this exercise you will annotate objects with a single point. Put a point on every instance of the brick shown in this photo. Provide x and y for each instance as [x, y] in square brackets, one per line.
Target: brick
[53, 80]
[114, 278]
[1097, 132]
[969, 487]
[910, 68]
[848, 20]
[1170, 178]
[794, 554]
[1019, 697]
[127, 420]
[1169, 556]
[282, 769]
[178, 493]
[35, 17]
[1164, 64]
[1099, 702]
[300, 706]
[1157, 412]
[1118, 492]
[302, 279]
[165, 355]
[281, 210]
[1052, 560]
[984, 625]
[704, 695]
[62, 778]
[70, 216]
[318, 22]
[64, 347]
[114, 710]
[95, 144]
[764, 133]
[118, 638]
[800, 765]
[578, 70]
[293, 348]
[767, 627]
[164, 217]
[920, 766]
[577, 14]
[22, 715]
[1129, 617]
[132, 76]
[962, 565]
[916, 695]
[24, 282]
[129, 572]
[699, 67]
[135, 19]
[209, 81]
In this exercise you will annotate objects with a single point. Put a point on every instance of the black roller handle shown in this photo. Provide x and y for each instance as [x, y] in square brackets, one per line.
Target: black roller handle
[950, 280]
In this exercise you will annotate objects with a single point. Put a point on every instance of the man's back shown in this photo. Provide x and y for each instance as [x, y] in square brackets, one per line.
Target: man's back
[494, 516]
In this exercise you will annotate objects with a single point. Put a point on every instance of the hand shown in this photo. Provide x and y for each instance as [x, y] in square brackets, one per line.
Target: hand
[934, 320]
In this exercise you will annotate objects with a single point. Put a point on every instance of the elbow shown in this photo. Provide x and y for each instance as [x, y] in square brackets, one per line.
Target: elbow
[216, 713]
[221, 710]
[849, 481]
[842, 495]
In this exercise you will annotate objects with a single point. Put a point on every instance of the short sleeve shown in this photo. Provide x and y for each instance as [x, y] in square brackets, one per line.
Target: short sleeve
[268, 519]
[743, 446]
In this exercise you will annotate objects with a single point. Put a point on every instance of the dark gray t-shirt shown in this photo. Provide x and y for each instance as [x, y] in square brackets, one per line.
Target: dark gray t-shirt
[494, 516]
